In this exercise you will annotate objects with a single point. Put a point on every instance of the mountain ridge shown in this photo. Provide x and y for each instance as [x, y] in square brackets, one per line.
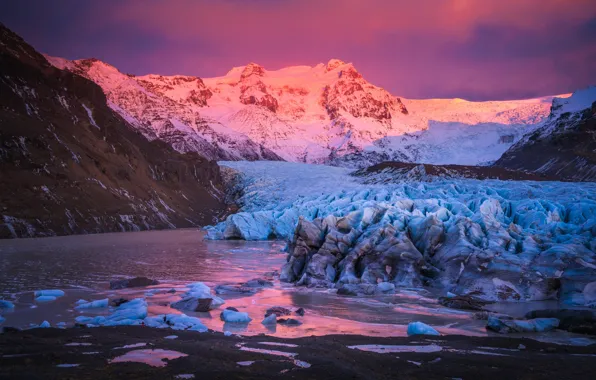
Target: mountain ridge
[327, 113]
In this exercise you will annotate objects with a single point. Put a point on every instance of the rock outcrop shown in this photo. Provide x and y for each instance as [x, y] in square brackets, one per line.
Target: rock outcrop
[564, 146]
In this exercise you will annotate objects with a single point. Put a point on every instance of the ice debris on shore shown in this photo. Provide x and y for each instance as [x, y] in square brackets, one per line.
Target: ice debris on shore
[45, 325]
[419, 328]
[47, 295]
[134, 312]
[505, 240]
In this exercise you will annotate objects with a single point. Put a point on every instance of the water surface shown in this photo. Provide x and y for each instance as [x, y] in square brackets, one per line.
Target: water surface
[83, 265]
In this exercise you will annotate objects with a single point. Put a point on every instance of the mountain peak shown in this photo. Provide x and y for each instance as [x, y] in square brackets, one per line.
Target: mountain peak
[334, 64]
[252, 69]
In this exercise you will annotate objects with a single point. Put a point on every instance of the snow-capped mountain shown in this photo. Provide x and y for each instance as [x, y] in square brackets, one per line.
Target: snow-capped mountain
[323, 114]
[168, 108]
[563, 145]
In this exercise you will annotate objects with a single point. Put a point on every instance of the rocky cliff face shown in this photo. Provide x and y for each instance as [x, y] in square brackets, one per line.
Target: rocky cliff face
[564, 146]
[70, 164]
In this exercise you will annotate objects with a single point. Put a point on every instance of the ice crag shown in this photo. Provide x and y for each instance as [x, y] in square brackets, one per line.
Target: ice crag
[502, 240]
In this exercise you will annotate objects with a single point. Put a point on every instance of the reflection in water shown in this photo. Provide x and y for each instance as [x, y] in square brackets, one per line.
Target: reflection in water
[83, 265]
[154, 358]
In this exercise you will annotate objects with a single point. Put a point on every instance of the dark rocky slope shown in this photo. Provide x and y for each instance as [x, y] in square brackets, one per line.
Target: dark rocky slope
[394, 171]
[564, 146]
[69, 164]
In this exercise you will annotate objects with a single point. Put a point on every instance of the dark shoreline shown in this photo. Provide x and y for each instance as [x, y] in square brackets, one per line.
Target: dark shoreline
[34, 354]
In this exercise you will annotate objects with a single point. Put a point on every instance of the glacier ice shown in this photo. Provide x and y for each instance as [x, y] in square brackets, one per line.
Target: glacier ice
[45, 325]
[232, 316]
[92, 304]
[49, 293]
[504, 325]
[197, 291]
[4, 304]
[502, 240]
[176, 322]
[419, 328]
[135, 313]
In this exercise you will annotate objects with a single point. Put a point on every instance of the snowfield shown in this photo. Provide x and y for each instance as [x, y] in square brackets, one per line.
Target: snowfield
[500, 240]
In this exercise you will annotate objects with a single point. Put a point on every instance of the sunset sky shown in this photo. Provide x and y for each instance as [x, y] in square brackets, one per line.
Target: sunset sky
[473, 49]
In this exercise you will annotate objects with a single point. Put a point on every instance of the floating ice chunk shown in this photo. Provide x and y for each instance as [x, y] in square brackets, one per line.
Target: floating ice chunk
[450, 295]
[171, 337]
[49, 292]
[419, 328]
[185, 376]
[232, 316]
[129, 313]
[504, 326]
[176, 322]
[67, 365]
[270, 320]
[6, 305]
[92, 304]
[2, 319]
[45, 299]
[72, 344]
[227, 333]
[199, 290]
[45, 325]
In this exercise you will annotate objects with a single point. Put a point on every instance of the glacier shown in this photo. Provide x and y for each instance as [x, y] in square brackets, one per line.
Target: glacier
[497, 240]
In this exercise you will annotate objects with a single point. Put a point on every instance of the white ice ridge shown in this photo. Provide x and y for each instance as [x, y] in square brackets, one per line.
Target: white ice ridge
[508, 240]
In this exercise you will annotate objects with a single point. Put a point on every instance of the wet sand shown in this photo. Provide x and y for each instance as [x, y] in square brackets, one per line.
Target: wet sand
[51, 354]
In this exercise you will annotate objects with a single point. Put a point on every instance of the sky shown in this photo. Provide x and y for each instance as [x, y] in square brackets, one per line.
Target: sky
[471, 49]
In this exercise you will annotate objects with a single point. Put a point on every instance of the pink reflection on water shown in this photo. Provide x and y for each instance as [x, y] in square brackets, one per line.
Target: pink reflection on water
[154, 358]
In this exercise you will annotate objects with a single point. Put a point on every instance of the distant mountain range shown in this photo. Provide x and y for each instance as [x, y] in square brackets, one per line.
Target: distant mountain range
[323, 114]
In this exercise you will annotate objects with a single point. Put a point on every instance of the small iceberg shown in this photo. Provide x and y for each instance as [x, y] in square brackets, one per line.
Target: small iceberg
[6, 305]
[50, 292]
[503, 325]
[129, 313]
[419, 328]
[270, 320]
[232, 316]
[47, 295]
[92, 304]
[176, 322]
[45, 325]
